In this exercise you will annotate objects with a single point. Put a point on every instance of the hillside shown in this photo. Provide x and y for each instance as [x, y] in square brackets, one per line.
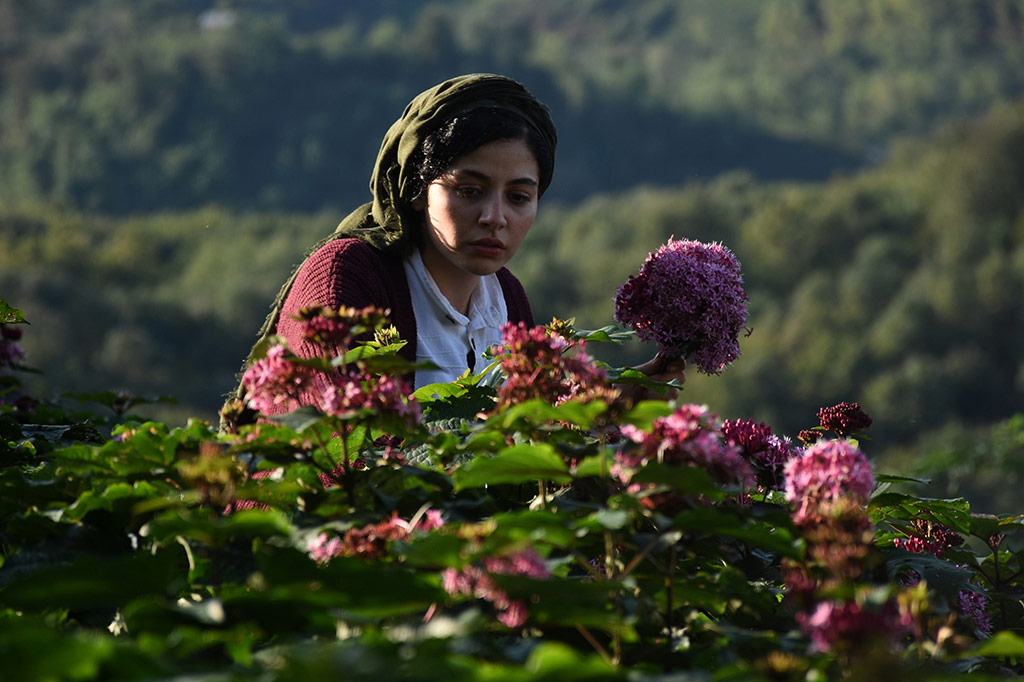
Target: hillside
[122, 107]
[900, 287]
[164, 164]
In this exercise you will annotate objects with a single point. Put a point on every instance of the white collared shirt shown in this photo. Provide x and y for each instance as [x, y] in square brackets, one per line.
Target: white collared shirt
[452, 341]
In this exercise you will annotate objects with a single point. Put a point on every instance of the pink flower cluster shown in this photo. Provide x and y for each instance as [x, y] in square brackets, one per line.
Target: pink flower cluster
[539, 363]
[369, 542]
[477, 582]
[274, 383]
[11, 352]
[825, 473]
[350, 393]
[833, 623]
[336, 329]
[759, 445]
[281, 382]
[688, 297]
[690, 436]
[929, 537]
[844, 419]
[277, 383]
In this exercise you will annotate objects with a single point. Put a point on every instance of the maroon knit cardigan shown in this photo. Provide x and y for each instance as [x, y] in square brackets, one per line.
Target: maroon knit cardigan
[350, 272]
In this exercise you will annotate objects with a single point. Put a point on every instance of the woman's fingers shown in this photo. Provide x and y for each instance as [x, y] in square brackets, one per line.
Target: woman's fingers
[664, 368]
[659, 368]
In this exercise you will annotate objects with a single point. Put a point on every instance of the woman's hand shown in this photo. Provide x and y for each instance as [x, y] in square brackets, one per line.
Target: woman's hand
[659, 368]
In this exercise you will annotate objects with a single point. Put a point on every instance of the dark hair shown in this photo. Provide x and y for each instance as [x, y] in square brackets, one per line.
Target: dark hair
[470, 130]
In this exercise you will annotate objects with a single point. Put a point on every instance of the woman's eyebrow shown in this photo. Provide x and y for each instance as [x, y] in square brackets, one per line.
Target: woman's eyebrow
[527, 180]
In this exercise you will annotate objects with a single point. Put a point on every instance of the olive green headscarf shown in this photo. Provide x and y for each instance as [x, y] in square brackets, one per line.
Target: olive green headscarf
[386, 222]
[381, 222]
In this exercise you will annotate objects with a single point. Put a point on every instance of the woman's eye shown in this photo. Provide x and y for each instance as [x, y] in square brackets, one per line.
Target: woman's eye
[519, 198]
[467, 191]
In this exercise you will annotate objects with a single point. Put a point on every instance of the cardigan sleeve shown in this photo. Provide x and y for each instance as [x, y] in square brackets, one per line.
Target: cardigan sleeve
[344, 272]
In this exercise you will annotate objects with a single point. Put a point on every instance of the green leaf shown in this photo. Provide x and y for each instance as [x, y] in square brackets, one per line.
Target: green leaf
[302, 418]
[610, 519]
[559, 662]
[943, 576]
[953, 513]
[628, 375]
[9, 315]
[890, 478]
[643, 414]
[370, 589]
[538, 411]
[729, 523]
[530, 527]
[249, 523]
[517, 464]
[33, 650]
[431, 392]
[607, 334]
[1001, 644]
[93, 581]
[986, 525]
[490, 440]
[595, 465]
[378, 362]
[435, 549]
[568, 602]
[120, 497]
[686, 479]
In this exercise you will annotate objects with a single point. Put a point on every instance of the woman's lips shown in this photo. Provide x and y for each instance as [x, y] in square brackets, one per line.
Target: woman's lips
[491, 248]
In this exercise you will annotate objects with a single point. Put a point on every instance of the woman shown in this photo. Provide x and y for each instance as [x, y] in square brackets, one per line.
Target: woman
[455, 190]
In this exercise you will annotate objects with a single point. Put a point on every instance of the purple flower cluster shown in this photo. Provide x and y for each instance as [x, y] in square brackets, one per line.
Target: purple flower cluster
[759, 445]
[690, 436]
[825, 473]
[11, 352]
[833, 623]
[477, 582]
[539, 363]
[688, 297]
[974, 607]
[844, 419]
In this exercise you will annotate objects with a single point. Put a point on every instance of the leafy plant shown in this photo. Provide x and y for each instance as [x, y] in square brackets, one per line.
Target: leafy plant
[559, 536]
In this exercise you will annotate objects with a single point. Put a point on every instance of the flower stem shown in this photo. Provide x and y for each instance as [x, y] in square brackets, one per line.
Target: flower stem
[669, 607]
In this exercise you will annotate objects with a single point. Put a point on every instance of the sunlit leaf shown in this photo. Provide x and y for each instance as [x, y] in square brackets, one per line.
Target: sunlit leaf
[10, 315]
[952, 513]
[517, 464]
[607, 334]
[1002, 644]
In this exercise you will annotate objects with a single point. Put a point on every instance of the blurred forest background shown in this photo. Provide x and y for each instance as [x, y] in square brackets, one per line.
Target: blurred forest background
[165, 163]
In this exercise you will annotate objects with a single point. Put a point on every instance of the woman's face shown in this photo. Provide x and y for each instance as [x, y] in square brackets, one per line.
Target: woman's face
[478, 212]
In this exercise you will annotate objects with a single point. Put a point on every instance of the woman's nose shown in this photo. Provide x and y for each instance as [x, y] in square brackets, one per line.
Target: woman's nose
[492, 213]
